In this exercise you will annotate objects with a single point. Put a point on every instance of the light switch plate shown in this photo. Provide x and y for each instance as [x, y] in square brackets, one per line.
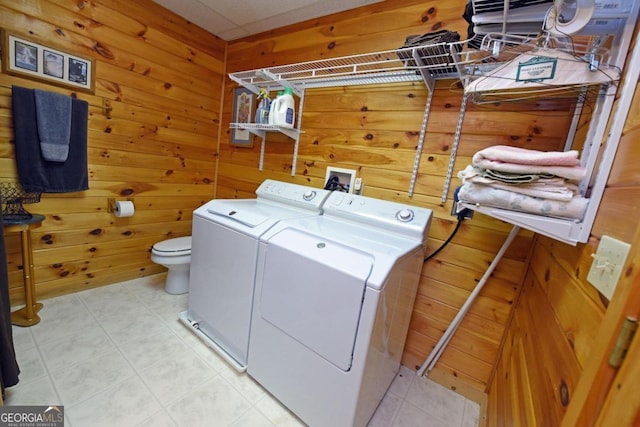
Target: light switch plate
[607, 264]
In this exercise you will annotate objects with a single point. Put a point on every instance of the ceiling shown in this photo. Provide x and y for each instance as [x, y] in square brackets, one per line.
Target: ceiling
[233, 19]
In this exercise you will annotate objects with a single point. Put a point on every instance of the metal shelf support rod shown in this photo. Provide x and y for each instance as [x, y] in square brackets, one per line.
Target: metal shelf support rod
[437, 351]
[423, 132]
[454, 147]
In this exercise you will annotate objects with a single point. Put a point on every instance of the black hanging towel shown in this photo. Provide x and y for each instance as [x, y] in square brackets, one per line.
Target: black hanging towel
[37, 174]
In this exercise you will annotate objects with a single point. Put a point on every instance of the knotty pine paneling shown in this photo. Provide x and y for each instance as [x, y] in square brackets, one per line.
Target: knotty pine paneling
[579, 322]
[375, 129]
[540, 365]
[163, 78]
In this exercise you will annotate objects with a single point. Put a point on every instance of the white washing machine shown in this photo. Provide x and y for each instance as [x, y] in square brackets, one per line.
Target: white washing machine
[333, 301]
[224, 254]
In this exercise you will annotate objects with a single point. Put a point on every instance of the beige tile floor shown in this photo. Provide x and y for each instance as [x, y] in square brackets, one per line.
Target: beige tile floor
[118, 356]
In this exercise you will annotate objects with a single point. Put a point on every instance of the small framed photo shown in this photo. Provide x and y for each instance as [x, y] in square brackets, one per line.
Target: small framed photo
[339, 179]
[78, 71]
[53, 64]
[26, 58]
[243, 106]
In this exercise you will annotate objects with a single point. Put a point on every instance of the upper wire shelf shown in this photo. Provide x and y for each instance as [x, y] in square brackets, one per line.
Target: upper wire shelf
[426, 62]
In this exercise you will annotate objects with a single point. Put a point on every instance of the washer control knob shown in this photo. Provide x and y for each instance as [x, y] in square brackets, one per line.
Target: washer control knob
[405, 215]
[309, 195]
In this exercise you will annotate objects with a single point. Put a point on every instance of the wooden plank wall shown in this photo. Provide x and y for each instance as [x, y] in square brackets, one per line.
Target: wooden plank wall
[163, 77]
[559, 314]
[375, 130]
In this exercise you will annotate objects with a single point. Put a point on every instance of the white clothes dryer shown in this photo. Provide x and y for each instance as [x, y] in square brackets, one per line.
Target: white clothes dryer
[224, 254]
[333, 301]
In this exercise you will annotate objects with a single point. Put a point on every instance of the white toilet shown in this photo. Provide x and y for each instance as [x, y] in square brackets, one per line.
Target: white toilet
[175, 254]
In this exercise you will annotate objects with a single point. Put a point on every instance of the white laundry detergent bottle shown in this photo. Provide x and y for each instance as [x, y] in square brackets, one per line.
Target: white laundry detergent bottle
[273, 107]
[284, 110]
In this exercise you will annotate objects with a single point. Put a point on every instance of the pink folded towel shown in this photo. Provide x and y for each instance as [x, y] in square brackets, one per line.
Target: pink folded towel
[523, 156]
[544, 188]
[516, 160]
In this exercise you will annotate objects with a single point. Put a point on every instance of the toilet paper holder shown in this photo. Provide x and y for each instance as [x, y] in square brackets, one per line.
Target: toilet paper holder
[111, 203]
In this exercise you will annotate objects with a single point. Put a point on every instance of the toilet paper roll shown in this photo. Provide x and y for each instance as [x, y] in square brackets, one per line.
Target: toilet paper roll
[124, 209]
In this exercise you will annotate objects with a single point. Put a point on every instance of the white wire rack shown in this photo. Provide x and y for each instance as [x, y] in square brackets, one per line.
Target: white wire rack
[391, 66]
[497, 50]
[427, 63]
[260, 129]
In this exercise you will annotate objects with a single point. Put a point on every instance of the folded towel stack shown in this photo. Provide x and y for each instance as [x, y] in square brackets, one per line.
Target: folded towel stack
[538, 182]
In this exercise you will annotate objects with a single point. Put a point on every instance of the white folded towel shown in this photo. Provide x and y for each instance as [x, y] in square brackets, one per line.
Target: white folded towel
[485, 195]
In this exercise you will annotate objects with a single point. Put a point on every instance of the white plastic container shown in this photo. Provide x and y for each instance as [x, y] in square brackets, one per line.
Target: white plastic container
[272, 108]
[283, 111]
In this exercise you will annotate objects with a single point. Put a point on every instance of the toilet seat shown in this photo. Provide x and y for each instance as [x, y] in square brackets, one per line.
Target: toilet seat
[178, 246]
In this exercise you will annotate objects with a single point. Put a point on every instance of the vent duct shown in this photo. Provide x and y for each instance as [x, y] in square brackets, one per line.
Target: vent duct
[509, 17]
[559, 18]
[587, 17]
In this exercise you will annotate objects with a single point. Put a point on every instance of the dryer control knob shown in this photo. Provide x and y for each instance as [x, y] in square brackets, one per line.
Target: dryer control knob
[405, 215]
[309, 195]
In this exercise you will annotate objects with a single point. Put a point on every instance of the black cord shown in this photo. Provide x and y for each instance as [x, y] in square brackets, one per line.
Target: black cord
[333, 184]
[464, 213]
[455, 230]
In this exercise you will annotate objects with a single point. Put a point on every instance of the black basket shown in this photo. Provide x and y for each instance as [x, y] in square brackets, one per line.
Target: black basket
[13, 196]
[433, 50]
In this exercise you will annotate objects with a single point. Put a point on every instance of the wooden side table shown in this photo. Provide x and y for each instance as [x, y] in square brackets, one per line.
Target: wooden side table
[28, 315]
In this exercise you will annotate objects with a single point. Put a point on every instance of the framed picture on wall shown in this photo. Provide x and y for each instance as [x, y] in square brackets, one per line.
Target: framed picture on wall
[243, 106]
[53, 64]
[26, 58]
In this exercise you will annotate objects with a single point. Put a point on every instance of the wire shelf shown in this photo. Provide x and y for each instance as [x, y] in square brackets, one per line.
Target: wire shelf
[405, 64]
[13, 196]
[498, 51]
[259, 129]
[430, 62]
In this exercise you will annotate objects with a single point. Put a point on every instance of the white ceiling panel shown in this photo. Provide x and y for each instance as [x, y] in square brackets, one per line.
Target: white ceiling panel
[243, 12]
[233, 19]
[198, 13]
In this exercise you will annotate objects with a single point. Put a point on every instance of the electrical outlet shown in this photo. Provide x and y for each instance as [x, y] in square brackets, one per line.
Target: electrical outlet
[358, 184]
[464, 213]
[607, 265]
